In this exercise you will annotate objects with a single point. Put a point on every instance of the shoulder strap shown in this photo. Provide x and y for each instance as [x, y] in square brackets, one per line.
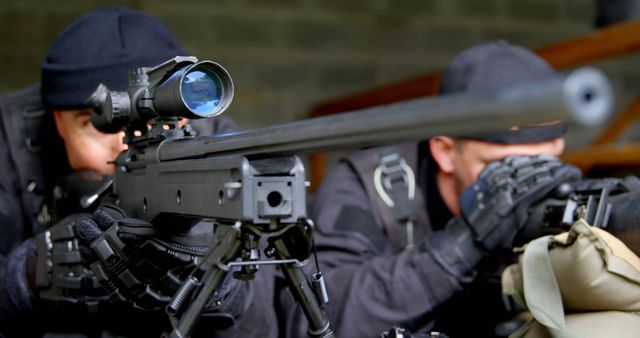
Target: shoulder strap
[23, 116]
[541, 290]
[387, 174]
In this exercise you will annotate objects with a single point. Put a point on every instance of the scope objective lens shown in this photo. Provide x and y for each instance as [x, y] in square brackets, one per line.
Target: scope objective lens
[202, 91]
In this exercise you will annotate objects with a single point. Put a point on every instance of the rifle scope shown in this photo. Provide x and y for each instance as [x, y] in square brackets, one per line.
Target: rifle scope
[180, 87]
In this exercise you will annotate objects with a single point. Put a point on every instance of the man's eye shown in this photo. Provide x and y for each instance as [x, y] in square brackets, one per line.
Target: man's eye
[88, 127]
[86, 122]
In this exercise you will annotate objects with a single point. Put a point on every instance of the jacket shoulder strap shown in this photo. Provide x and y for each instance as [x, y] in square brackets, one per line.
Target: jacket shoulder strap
[22, 115]
[387, 175]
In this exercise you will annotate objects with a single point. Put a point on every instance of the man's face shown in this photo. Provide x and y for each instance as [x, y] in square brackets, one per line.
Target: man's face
[87, 148]
[472, 156]
[461, 161]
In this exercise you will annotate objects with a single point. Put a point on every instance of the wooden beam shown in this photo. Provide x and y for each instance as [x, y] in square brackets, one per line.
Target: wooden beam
[607, 43]
[318, 170]
[604, 155]
[619, 124]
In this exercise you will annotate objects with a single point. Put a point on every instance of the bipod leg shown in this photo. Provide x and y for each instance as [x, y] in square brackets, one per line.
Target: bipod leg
[319, 324]
[203, 282]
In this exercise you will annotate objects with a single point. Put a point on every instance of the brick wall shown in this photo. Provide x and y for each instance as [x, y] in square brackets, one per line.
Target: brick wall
[286, 55]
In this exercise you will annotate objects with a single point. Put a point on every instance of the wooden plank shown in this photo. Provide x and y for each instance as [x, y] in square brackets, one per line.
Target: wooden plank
[619, 124]
[318, 170]
[604, 155]
[610, 42]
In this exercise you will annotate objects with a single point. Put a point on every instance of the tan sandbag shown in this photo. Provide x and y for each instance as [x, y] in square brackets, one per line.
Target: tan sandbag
[595, 271]
[595, 325]
[512, 282]
[586, 272]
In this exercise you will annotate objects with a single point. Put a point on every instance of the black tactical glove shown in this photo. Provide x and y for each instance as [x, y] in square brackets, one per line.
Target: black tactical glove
[497, 205]
[57, 271]
[128, 259]
[107, 258]
[608, 203]
[78, 192]
[494, 209]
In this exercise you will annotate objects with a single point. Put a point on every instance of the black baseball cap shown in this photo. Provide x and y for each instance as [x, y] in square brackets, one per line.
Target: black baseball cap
[497, 65]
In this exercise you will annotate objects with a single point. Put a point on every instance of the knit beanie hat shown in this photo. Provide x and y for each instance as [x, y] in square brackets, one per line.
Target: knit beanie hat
[100, 47]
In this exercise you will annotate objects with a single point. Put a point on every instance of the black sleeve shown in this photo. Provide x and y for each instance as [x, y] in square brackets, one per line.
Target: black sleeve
[15, 295]
[369, 292]
[14, 292]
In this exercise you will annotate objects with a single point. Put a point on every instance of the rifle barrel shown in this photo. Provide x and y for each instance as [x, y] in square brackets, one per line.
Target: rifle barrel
[583, 96]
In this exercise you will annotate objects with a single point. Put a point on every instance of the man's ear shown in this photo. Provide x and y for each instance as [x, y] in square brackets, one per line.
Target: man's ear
[57, 117]
[443, 152]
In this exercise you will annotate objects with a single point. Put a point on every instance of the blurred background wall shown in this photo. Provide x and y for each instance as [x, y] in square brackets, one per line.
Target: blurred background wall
[286, 55]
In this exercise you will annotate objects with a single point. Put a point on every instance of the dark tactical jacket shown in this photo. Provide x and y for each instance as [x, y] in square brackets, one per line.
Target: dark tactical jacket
[374, 278]
[32, 160]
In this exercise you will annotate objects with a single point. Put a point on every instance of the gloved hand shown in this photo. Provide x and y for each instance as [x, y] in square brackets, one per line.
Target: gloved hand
[106, 258]
[56, 272]
[559, 210]
[494, 209]
[497, 206]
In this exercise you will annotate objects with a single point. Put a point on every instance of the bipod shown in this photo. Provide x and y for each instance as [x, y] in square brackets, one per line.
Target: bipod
[290, 244]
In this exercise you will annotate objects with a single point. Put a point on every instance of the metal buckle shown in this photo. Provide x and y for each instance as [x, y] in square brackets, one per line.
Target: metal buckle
[393, 168]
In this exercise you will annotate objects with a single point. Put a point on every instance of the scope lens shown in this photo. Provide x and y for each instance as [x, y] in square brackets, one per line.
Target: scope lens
[202, 91]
